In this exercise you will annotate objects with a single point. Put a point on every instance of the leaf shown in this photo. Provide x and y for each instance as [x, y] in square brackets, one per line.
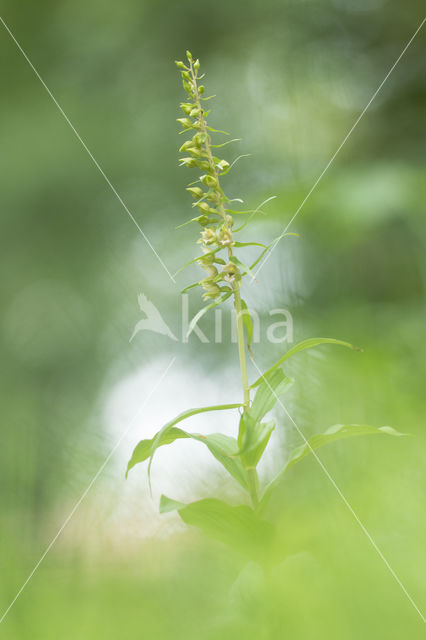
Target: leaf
[253, 436]
[218, 146]
[204, 310]
[248, 324]
[223, 447]
[242, 266]
[209, 253]
[273, 384]
[191, 286]
[336, 432]
[271, 244]
[301, 346]
[248, 244]
[253, 213]
[239, 527]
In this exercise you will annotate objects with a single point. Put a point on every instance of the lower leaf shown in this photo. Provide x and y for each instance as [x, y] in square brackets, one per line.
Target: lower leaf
[336, 432]
[239, 527]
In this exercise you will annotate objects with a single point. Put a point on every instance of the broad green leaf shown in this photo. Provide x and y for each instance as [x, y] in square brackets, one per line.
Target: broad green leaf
[224, 448]
[273, 384]
[248, 324]
[301, 346]
[336, 432]
[239, 527]
[253, 436]
[204, 310]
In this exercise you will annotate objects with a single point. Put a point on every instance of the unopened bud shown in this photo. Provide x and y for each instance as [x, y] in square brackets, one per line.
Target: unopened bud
[209, 181]
[189, 56]
[208, 236]
[185, 75]
[186, 145]
[196, 64]
[223, 165]
[225, 237]
[180, 64]
[188, 87]
[188, 162]
[195, 192]
[203, 207]
[201, 89]
[198, 139]
[186, 107]
[185, 122]
[195, 112]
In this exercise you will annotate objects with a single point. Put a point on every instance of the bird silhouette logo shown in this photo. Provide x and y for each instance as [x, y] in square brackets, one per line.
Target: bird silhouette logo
[153, 321]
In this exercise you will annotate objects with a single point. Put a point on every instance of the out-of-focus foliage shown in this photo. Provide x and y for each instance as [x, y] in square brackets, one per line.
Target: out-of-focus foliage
[295, 76]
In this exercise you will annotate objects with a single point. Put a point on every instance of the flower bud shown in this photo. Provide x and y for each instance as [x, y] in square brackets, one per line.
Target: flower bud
[204, 165]
[195, 112]
[208, 236]
[180, 64]
[196, 64]
[208, 181]
[230, 268]
[186, 107]
[223, 165]
[203, 207]
[198, 139]
[188, 162]
[225, 237]
[185, 75]
[207, 259]
[211, 270]
[185, 122]
[195, 192]
[186, 145]
[201, 89]
[203, 220]
[229, 220]
[188, 87]
[189, 56]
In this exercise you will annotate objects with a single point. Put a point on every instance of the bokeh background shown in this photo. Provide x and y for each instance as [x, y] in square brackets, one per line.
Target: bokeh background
[291, 79]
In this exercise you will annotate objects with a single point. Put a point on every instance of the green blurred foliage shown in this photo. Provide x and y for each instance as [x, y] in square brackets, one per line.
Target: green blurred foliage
[291, 79]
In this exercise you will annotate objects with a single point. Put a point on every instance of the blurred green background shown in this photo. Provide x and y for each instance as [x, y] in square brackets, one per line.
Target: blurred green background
[291, 79]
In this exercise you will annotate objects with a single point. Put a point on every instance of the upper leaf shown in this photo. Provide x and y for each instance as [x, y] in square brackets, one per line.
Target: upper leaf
[224, 448]
[271, 385]
[253, 436]
[336, 432]
[301, 346]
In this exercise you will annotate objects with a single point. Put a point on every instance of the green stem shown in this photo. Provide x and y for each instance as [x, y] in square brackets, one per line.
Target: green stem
[252, 473]
[253, 486]
[241, 345]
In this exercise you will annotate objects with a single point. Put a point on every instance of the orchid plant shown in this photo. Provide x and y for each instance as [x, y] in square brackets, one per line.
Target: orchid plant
[243, 526]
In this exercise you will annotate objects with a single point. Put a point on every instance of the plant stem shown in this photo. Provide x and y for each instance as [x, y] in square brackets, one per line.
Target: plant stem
[252, 473]
[241, 345]
[252, 479]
